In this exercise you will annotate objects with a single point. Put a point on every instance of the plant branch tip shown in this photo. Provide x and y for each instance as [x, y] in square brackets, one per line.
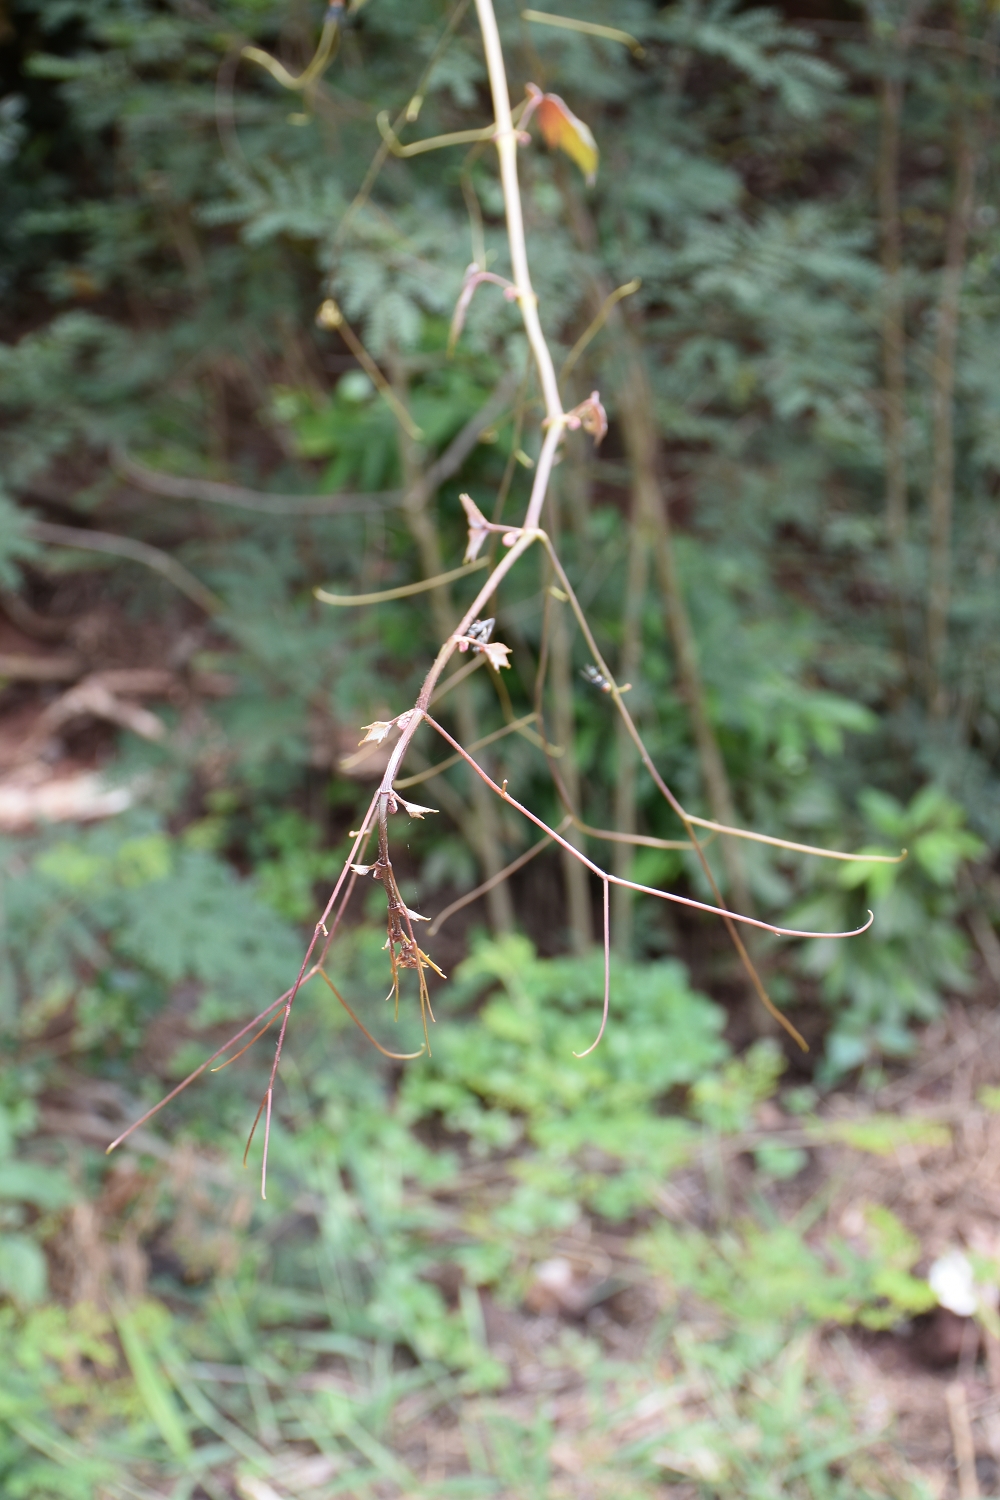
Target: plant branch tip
[588, 28]
[404, 591]
[594, 327]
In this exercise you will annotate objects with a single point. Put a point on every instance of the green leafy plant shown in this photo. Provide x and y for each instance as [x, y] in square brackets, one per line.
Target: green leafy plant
[512, 1072]
[916, 950]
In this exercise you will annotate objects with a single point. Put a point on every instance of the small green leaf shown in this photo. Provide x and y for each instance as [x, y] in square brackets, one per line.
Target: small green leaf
[153, 1387]
[23, 1273]
[882, 1134]
[33, 1182]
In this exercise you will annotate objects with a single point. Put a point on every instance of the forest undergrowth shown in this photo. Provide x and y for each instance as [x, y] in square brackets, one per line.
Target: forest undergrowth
[705, 375]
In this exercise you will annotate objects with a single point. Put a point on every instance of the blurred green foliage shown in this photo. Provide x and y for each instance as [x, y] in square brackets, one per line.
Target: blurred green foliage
[225, 1365]
[131, 182]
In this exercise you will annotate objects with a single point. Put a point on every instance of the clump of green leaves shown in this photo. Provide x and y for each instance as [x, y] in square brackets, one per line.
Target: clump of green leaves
[512, 1073]
[915, 951]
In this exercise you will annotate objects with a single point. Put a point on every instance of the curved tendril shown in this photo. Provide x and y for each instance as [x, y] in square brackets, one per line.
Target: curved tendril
[646, 890]
[329, 38]
[237, 1055]
[607, 977]
[267, 1142]
[818, 850]
[404, 591]
[395, 1056]
[253, 1127]
[594, 327]
[197, 1072]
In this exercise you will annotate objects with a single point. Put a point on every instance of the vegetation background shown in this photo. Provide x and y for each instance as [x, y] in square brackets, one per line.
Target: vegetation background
[697, 1261]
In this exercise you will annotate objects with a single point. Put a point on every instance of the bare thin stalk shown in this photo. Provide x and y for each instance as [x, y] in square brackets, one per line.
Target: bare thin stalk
[574, 875]
[893, 327]
[646, 890]
[607, 976]
[667, 794]
[642, 442]
[626, 763]
[515, 727]
[649, 509]
[940, 495]
[474, 895]
[560, 645]
[506, 143]
[419, 518]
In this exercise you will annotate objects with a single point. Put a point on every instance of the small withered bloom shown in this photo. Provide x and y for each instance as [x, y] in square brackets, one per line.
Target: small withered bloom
[479, 527]
[597, 679]
[591, 416]
[376, 732]
[414, 809]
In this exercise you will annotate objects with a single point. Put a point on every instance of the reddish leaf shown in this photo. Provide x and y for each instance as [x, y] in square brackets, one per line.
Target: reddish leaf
[564, 132]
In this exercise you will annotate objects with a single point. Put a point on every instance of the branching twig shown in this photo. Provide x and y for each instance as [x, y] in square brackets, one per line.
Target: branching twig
[125, 546]
[471, 631]
[646, 890]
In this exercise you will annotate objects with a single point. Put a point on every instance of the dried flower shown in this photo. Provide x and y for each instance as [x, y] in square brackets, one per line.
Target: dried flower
[591, 416]
[376, 732]
[414, 809]
[479, 528]
[496, 654]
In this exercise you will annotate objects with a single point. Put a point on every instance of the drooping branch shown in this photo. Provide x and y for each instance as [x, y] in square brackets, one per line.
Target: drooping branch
[646, 890]
[470, 634]
[124, 546]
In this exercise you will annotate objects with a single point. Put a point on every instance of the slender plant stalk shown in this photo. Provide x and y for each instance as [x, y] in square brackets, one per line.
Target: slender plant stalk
[940, 496]
[641, 542]
[649, 510]
[485, 825]
[506, 144]
[893, 323]
[575, 876]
